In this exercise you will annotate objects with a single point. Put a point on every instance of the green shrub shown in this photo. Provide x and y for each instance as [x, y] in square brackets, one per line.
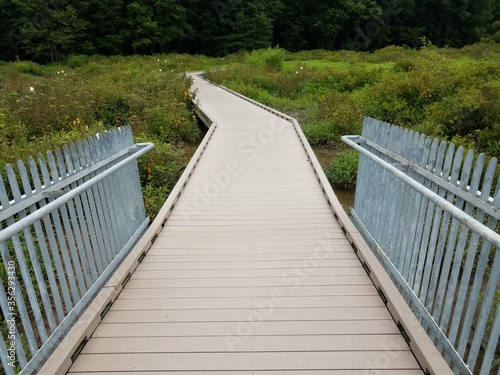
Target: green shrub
[404, 65]
[159, 170]
[343, 170]
[154, 198]
[320, 132]
[271, 58]
[28, 67]
[77, 61]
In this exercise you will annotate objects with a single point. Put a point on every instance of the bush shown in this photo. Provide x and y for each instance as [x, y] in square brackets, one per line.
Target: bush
[320, 132]
[28, 67]
[404, 65]
[343, 170]
[271, 59]
[159, 170]
[77, 61]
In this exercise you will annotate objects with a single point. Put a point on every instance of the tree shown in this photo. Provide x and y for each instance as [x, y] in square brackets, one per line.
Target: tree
[454, 22]
[228, 26]
[107, 27]
[49, 29]
[141, 27]
[172, 21]
[290, 27]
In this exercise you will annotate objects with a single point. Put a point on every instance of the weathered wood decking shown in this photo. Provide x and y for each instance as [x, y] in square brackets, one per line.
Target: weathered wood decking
[251, 273]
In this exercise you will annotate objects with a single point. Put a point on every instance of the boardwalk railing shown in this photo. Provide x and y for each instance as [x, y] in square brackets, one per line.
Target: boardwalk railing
[430, 213]
[63, 232]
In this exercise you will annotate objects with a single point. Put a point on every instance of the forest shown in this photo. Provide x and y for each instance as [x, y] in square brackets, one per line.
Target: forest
[51, 30]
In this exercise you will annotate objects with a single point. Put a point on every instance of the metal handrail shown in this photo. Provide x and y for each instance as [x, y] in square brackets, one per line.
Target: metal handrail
[424, 208]
[24, 223]
[63, 240]
[474, 225]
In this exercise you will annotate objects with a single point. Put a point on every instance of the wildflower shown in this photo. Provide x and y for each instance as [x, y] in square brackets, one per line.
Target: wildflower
[159, 70]
[301, 67]
[32, 89]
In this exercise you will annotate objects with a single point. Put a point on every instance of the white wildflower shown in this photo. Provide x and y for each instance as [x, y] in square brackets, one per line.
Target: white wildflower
[32, 89]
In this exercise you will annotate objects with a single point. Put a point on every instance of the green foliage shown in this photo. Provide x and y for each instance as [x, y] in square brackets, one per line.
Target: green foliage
[52, 30]
[320, 132]
[447, 93]
[343, 170]
[159, 170]
[271, 58]
[28, 67]
[77, 61]
[61, 105]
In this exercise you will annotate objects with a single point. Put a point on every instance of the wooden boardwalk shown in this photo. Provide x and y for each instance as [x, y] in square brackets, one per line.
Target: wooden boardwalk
[251, 273]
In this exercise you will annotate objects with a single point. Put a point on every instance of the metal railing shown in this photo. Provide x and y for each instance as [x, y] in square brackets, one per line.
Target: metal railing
[67, 220]
[425, 208]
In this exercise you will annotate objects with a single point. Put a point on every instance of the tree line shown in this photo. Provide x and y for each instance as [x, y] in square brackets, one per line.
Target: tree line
[49, 30]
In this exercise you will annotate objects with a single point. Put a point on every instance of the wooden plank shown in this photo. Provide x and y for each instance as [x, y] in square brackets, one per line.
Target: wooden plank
[284, 245]
[311, 263]
[232, 315]
[239, 328]
[241, 361]
[299, 343]
[158, 256]
[246, 302]
[288, 274]
[237, 282]
[302, 291]
[253, 240]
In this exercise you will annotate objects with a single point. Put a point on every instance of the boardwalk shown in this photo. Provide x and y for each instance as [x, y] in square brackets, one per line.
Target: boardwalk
[251, 273]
